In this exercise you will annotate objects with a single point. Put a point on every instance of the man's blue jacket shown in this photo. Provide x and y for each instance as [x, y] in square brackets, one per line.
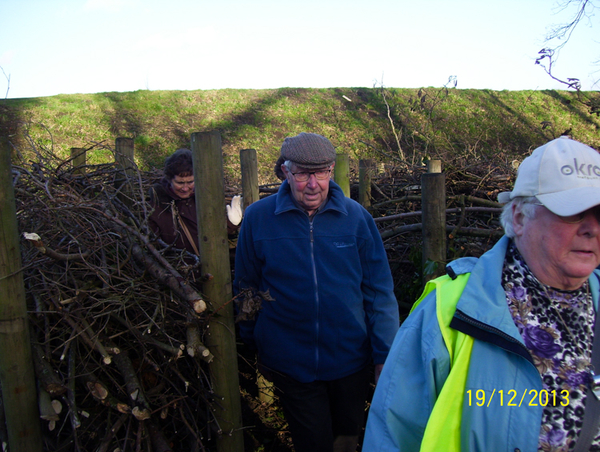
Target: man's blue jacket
[333, 305]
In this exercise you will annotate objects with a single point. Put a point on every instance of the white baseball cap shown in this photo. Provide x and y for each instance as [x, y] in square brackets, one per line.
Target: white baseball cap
[563, 174]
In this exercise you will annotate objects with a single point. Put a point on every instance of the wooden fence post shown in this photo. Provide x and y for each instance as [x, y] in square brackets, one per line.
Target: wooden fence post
[124, 158]
[78, 160]
[433, 206]
[249, 164]
[124, 153]
[365, 173]
[214, 258]
[19, 393]
[341, 172]
[250, 194]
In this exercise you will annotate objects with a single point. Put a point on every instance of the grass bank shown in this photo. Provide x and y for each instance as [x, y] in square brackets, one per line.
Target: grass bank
[382, 123]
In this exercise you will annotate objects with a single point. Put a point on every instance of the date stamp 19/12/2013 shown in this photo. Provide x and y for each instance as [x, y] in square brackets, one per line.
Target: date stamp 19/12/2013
[513, 398]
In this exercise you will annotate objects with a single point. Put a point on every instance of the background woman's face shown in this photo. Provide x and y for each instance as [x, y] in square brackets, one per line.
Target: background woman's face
[183, 186]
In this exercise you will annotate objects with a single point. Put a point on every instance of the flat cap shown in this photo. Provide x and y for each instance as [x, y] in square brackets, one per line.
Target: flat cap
[308, 150]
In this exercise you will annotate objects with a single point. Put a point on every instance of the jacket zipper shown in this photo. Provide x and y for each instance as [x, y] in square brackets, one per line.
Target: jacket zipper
[485, 327]
[314, 269]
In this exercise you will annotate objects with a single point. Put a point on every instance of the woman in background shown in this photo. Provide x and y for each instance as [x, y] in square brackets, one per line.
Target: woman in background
[173, 199]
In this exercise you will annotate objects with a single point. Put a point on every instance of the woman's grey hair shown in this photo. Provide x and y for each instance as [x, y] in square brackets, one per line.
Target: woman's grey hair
[527, 206]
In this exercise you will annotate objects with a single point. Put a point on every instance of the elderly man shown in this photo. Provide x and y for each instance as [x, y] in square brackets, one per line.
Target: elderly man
[331, 310]
[497, 355]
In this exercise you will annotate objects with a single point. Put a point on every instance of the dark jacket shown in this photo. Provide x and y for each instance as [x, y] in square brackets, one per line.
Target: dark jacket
[163, 220]
[334, 308]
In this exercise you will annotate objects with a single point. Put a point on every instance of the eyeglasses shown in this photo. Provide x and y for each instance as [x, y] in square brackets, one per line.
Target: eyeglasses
[578, 217]
[304, 176]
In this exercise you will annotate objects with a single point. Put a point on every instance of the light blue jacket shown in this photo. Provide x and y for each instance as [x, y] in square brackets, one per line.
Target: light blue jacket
[334, 308]
[501, 368]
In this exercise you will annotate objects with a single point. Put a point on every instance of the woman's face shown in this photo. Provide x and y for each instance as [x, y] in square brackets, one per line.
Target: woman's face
[560, 254]
[183, 186]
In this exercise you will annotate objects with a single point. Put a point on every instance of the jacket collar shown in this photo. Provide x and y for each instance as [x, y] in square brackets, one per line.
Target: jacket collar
[335, 200]
[484, 298]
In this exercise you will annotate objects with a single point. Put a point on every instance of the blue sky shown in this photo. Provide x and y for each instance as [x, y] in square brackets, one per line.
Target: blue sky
[88, 46]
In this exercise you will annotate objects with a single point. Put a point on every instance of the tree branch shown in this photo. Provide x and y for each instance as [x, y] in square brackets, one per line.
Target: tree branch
[8, 80]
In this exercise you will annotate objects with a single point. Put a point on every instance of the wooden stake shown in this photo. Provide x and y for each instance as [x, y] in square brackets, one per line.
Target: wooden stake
[124, 158]
[78, 160]
[249, 165]
[250, 194]
[17, 378]
[214, 255]
[342, 173]
[366, 168]
[433, 192]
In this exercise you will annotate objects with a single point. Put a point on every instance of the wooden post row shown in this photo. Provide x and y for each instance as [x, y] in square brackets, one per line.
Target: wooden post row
[17, 379]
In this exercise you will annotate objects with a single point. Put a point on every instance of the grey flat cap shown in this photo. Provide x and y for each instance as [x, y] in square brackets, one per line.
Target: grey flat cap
[308, 150]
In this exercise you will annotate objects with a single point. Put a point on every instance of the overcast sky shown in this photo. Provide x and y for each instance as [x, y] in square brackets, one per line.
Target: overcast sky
[88, 46]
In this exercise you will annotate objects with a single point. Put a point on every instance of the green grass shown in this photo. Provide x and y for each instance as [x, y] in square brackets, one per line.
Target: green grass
[446, 124]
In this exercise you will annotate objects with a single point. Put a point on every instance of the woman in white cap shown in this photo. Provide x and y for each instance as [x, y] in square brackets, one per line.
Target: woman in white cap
[499, 354]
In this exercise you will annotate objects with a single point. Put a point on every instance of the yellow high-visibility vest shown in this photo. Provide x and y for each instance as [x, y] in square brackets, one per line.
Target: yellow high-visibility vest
[442, 433]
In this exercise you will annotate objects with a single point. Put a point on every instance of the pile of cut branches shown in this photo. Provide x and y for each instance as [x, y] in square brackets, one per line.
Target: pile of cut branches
[472, 215]
[115, 319]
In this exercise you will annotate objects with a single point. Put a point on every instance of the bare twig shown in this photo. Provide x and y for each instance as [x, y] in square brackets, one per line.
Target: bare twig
[8, 82]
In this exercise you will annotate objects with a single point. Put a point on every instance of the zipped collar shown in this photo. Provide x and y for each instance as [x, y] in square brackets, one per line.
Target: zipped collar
[483, 309]
[484, 298]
